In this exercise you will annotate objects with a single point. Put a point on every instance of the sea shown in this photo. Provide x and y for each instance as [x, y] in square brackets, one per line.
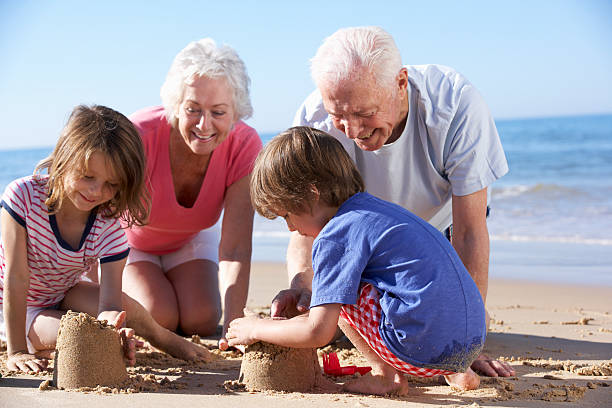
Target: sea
[551, 215]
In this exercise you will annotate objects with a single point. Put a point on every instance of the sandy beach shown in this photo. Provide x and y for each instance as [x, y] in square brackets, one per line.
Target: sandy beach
[557, 337]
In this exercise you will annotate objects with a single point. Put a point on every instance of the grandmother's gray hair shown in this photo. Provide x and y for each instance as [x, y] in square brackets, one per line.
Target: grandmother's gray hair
[353, 48]
[205, 58]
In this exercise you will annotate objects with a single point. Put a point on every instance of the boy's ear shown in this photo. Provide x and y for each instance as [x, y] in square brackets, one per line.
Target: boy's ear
[315, 191]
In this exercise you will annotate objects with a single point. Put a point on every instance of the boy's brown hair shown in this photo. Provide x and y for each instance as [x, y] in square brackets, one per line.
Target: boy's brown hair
[100, 129]
[296, 165]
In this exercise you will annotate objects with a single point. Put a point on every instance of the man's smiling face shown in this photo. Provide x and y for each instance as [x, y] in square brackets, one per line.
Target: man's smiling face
[363, 110]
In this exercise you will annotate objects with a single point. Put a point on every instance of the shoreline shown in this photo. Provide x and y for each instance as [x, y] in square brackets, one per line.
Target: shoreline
[272, 278]
[538, 261]
[554, 262]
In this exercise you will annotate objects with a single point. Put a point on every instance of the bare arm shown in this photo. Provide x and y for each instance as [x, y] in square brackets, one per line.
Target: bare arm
[296, 299]
[109, 302]
[312, 330]
[471, 241]
[471, 236]
[16, 286]
[299, 261]
[110, 307]
[235, 252]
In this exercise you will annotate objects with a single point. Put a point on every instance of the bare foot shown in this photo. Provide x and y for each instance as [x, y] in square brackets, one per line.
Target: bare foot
[463, 381]
[386, 384]
[180, 347]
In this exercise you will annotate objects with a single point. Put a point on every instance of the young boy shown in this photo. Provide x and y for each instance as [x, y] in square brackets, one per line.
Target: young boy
[394, 284]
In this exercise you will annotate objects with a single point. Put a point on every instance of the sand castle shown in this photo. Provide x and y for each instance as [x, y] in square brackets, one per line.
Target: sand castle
[269, 367]
[88, 353]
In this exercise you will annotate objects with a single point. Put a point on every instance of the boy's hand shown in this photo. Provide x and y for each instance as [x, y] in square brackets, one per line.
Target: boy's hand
[241, 331]
[28, 363]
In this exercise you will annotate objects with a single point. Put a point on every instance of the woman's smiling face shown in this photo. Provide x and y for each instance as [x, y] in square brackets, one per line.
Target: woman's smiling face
[206, 114]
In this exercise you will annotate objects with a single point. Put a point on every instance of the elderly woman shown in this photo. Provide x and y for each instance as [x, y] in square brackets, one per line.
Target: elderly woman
[199, 158]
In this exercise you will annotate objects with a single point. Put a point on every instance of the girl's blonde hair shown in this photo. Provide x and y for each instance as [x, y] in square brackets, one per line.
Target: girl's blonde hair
[100, 129]
[294, 162]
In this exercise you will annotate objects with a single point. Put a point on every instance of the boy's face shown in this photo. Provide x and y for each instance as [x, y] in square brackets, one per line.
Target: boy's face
[306, 224]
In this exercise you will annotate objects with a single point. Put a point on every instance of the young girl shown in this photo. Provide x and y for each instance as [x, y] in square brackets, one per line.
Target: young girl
[394, 284]
[56, 227]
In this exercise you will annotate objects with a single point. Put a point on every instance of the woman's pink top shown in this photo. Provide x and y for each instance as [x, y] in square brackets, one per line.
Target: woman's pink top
[170, 224]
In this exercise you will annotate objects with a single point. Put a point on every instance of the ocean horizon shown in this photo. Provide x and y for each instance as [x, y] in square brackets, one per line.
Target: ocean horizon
[556, 200]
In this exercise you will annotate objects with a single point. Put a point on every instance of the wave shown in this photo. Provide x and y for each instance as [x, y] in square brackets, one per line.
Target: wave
[494, 237]
[541, 189]
[271, 234]
[557, 240]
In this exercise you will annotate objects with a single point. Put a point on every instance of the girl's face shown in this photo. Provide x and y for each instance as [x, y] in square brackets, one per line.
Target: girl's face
[206, 114]
[86, 189]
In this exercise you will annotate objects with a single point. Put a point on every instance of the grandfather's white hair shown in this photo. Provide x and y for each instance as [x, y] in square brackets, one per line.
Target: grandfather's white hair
[205, 58]
[353, 48]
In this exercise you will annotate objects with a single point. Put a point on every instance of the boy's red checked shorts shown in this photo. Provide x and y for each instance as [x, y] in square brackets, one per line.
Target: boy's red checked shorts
[365, 318]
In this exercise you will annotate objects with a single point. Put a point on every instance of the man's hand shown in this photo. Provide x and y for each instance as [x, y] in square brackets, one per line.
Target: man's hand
[290, 303]
[492, 368]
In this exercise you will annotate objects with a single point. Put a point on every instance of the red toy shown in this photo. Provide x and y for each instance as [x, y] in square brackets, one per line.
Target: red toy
[331, 366]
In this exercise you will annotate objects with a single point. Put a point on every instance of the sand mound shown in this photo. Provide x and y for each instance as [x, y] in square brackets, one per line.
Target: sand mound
[88, 353]
[269, 367]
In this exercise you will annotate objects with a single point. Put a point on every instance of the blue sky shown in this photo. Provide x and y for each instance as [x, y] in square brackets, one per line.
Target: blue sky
[528, 58]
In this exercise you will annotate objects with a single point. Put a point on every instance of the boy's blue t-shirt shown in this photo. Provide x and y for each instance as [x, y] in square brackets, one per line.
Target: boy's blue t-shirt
[432, 312]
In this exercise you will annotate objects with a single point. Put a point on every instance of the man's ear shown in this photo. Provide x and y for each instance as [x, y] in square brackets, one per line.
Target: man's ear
[402, 79]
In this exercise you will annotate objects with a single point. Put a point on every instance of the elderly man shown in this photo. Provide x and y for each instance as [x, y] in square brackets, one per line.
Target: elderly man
[421, 136]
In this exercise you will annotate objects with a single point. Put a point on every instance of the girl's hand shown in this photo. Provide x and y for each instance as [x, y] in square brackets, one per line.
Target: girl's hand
[22, 361]
[113, 317]
[130, 344]
[128, 341]
[242, 331]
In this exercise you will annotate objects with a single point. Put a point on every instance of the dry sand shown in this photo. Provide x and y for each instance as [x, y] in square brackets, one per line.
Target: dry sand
[88, 353]
[269, 367]
[558, 339]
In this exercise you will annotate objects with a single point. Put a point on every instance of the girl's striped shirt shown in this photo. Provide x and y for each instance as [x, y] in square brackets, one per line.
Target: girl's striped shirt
[54, 266]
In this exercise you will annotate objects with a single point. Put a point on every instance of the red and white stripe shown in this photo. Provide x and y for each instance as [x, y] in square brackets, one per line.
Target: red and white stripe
[365, 318]
[53, 268]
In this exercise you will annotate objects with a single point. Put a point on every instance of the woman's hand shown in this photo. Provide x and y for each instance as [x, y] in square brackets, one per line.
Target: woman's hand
[28, 363]
[235, 253]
